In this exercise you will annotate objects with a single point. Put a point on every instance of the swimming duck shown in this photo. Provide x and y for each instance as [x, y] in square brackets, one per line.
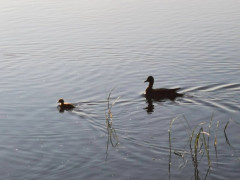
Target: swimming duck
[65, 106]
[161, 93]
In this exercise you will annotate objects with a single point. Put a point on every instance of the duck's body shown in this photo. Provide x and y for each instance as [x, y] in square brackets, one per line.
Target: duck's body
[161, 93]
[64, 105]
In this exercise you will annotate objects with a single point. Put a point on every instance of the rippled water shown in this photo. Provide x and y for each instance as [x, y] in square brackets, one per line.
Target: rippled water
[80, 51]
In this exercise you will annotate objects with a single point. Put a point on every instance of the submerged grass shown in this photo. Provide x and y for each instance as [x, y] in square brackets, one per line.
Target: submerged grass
[225, 133]
[198, 144]
[112, 135]
[170, 145]
[215, 140]
[201, 139]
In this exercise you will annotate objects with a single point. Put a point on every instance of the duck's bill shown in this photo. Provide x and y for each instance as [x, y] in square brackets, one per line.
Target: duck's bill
[146, 81]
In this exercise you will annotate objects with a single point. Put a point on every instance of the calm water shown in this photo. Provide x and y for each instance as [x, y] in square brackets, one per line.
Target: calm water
[80, 51]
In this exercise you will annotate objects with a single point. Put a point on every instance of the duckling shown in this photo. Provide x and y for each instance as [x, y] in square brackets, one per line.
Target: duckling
[160, 93]
[65, 106]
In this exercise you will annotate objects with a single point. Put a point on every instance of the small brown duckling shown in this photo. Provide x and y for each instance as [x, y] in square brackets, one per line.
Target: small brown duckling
[160, 93]
[65, 106]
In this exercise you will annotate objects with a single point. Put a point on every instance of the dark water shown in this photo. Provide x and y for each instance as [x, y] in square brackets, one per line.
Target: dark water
[80, 51]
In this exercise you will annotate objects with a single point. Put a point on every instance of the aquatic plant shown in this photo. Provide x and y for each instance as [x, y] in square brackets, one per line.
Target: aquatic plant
[112, 135]
[198, 144]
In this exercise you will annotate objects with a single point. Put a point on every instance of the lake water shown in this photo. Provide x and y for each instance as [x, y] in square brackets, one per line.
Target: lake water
[81, 50]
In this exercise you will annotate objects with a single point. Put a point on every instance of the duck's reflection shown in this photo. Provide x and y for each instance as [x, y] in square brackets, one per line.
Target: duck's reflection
[150, 107]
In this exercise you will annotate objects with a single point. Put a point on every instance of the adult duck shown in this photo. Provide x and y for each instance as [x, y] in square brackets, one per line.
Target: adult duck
[160, 93]
[64, 105]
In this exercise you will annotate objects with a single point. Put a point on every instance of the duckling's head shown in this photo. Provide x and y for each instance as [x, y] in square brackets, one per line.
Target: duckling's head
[61, 101]
[150, 79]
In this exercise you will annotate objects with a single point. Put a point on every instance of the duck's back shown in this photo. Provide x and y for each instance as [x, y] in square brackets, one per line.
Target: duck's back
[163, 93]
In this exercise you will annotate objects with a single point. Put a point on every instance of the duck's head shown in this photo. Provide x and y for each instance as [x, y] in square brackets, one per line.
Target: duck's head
[61, 101]
[150, 79]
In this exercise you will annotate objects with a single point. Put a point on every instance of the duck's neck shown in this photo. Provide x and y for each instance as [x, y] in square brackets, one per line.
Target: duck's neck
[150, 86]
